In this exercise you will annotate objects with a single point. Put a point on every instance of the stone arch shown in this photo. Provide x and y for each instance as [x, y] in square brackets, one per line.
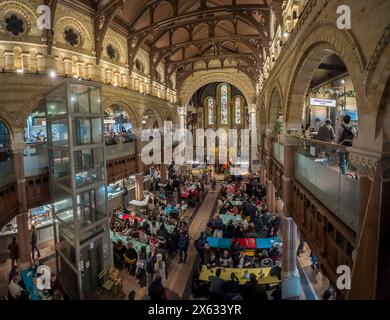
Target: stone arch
[86, 41]
[143, 57]
[319, 42]
[130, 111]
[154, 115]
[275, 105]
[382, 131]
[8, 127]
[26, 11]
[192, 84]
[174, 117]
[110, 39]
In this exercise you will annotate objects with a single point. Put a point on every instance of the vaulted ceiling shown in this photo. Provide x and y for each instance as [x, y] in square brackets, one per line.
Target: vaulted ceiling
[188, 34]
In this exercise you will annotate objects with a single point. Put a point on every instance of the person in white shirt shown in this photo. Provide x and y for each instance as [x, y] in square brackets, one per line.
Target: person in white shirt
[15, 290]
[218, 233]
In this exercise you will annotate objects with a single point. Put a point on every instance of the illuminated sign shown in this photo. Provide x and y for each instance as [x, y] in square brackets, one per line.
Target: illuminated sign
[322, 102]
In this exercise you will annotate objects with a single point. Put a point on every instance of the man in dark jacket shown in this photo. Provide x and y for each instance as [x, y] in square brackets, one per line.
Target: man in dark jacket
[34, 242]
[183, 246]
[13, 252]
[200, 245]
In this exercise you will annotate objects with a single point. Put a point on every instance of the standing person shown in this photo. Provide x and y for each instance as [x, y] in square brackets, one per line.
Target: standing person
[159, 269]
[156, 290]
[150, 269]
[301, 246]
[346, 134]
[213, 184]
[314, 261]
[200, 246]
[34, 242]
[13, 248]
[125, 198]
[317, 124]
[183, 246]
[326, 132]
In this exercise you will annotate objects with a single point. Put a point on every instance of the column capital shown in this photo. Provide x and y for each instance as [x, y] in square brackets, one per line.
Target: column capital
[17, 142]
[365, 161]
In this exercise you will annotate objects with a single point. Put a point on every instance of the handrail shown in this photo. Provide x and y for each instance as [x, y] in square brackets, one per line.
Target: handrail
[330, 144]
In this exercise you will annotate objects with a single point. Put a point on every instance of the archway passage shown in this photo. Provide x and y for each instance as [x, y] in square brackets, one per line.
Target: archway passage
[119, 124]
[151, 119]
[5, 152]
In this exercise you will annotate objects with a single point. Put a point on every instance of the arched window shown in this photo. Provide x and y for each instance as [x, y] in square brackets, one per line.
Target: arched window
[210, 111]
[224, 104]
[237, 110]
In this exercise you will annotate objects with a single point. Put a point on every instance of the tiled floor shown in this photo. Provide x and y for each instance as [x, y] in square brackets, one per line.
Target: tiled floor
[47, 254]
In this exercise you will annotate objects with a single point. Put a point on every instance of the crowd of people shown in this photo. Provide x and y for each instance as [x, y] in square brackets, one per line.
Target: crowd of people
[147, 238]
[241, 213]
[116, 137]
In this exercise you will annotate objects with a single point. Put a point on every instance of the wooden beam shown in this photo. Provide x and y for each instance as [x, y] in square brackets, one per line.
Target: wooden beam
[50, 32]
[102, 21]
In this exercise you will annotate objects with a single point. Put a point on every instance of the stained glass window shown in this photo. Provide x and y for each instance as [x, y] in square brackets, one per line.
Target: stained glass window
[224, 104]
[211, 110]
[238, 110]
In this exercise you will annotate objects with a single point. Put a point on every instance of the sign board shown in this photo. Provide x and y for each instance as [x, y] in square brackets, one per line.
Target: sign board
[109, 121]
[323, 102]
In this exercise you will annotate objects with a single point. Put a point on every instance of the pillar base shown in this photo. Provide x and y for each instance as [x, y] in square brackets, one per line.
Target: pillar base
[291, 285]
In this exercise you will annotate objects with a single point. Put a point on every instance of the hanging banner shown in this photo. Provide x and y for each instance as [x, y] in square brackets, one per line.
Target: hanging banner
[322, 102]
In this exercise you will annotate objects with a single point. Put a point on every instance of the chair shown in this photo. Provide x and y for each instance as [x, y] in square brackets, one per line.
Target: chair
[128, 262]
[105, 284]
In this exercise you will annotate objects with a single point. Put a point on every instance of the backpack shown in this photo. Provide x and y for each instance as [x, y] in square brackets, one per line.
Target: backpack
[347, 136]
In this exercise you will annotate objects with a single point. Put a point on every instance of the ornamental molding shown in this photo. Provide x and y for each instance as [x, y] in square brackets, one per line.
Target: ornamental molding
[365, 161]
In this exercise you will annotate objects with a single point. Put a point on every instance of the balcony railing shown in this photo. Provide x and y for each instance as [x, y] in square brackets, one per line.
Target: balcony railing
[324, 170]
[36, 159]
[120, 150]
[278, 152]
[6, 172]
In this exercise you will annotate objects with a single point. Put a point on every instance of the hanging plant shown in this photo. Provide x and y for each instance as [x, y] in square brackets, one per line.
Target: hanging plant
[334, 92]
[278, 126]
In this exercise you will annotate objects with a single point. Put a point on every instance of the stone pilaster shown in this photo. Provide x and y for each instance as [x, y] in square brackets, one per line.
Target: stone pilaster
[139, 186]
[23, 236]
[291, 281]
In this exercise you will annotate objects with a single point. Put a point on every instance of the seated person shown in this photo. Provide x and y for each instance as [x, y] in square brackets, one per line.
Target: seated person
[119, 250]
[135, 233]
[218, 233]
[143, 237]
[153, 228]
[211, 260]
[232, 287]
[14, 289]
[226, 260]
[244, 261]
[162, 231]
[130, 252]
[230, 227]
[238, 232]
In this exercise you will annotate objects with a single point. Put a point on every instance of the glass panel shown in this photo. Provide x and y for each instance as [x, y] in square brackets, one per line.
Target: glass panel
[62, 205]
[211, 110]
[56, 102]
[89, 166]
[87, 131]
[59, 132]
[238, 110]
[94, 255]
[95, 100]
[323, 169]
[224, 104]
[61, 167]
[91, 206]
[79, 98]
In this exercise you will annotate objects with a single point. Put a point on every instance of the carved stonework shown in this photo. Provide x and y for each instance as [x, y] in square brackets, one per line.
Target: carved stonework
[364, 161]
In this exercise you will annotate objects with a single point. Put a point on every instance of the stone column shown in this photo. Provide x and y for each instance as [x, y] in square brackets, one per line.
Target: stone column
[138, 148]
[261, 174]
[270, 197]
[291, 287]
[164, 173]
[23, 236]
[364, 194]
[139, 186]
